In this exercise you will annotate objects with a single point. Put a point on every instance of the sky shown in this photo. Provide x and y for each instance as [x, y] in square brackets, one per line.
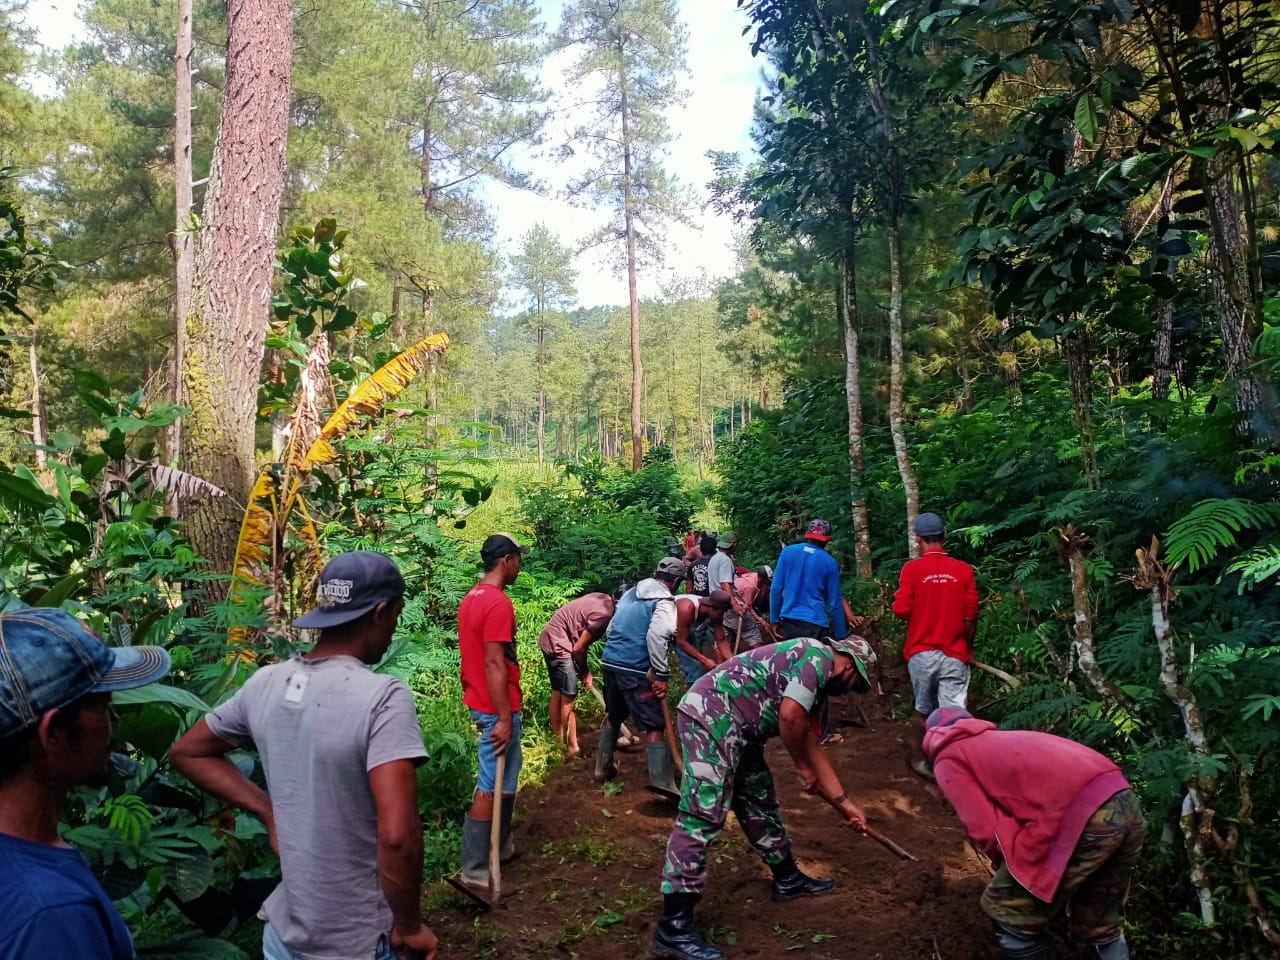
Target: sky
[716, 115]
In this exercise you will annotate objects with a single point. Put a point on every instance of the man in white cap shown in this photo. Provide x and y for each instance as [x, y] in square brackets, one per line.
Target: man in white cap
[56, 723]
[938, 597]
[340, 746]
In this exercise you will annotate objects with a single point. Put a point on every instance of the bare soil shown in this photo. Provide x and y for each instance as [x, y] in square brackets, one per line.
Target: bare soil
[586, 883]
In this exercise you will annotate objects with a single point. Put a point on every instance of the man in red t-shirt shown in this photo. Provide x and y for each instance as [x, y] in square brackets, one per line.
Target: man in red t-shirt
[938, 597]
[491, 688]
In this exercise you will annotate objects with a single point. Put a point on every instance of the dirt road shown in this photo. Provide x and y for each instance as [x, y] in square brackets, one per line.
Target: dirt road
[586, 884]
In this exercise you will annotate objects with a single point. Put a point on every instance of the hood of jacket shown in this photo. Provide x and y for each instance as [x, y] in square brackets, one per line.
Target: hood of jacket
[651, 589]
[937, 739]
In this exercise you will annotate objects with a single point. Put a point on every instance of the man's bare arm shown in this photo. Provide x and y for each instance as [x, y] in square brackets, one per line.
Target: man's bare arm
[201, 756]
[395, 794]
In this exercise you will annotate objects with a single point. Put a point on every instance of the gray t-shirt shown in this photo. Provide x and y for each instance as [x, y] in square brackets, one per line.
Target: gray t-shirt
[720, 570]
[320, 726]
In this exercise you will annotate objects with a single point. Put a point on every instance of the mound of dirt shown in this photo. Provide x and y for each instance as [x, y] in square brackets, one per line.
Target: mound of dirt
[586, 883]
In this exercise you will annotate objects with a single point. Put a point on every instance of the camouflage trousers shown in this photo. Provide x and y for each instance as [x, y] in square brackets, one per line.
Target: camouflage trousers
[1094, 884]
[721, 773]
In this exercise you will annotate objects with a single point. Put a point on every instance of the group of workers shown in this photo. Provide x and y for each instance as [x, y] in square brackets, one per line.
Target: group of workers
[340, 744]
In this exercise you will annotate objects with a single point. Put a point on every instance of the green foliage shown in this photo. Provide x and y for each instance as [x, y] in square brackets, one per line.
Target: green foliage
[1198, 535]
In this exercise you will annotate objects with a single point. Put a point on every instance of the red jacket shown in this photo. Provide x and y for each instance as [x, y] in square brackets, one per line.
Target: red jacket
[1024, 796]
[936, 594]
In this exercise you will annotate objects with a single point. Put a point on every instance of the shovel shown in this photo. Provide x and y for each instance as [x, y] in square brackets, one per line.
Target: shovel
[495, 849]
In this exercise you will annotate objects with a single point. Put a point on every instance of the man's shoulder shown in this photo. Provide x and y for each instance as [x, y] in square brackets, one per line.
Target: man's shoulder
[37, 878]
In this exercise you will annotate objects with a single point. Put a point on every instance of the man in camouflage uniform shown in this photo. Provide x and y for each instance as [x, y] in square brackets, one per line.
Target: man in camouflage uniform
[724, 721]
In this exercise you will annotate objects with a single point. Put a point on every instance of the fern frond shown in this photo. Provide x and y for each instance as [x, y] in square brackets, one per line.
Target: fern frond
[182, 486]
[1211, 525]
[1256, 566]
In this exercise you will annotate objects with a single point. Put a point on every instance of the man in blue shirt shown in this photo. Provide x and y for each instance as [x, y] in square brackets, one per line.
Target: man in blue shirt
[805, 596]
[56, 724]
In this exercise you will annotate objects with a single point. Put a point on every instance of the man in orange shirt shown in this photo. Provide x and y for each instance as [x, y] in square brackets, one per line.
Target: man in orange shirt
[938, 597]
[491, 688]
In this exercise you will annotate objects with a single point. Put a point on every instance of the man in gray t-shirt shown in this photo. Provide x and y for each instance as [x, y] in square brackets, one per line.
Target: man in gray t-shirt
[339, 745]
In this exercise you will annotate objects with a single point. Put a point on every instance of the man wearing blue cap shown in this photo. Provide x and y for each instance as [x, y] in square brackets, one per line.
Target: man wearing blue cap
[938, 597]
[56, 723]
[339, 745]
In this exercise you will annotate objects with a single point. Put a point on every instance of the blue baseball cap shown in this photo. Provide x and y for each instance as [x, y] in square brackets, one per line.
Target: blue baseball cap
[929, 525]
[352, 584]
[49, 659]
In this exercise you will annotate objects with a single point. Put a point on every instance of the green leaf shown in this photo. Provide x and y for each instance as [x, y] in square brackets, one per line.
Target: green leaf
[189, 877]
[1086, 118]
[20, 493]
[161, 693]
[64, 588]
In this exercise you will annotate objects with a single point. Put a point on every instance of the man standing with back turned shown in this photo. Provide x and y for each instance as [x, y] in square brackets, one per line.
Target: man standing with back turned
[938, 597]
[491, 688]
[56, 723]
[804, 596]
[340, 745]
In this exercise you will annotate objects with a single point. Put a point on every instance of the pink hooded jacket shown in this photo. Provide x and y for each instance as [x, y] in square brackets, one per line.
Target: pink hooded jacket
[1024, 796]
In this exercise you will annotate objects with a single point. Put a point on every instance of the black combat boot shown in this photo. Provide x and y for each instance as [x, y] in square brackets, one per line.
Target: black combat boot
[507, 850]
[677, 936]
[789, 882]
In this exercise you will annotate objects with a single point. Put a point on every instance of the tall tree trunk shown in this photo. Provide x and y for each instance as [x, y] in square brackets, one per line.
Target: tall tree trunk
[39, 409]
[542, 393]
[1235, 301]
[1076, 346]
[184, 205]
[628, 216]
[235, 253]
[853, 400]
[910, 487]
[1162, 360]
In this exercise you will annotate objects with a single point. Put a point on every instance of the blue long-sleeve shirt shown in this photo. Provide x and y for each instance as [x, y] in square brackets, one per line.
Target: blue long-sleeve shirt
[806, 585]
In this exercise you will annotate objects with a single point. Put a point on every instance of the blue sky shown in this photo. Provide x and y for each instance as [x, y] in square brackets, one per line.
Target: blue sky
[716, 115]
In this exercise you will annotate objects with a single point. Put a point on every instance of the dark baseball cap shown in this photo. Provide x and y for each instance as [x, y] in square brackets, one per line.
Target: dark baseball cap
[49, 659]
[498, 545]
[818, 529]
[352, 584]
[719, 599]
[929, 525]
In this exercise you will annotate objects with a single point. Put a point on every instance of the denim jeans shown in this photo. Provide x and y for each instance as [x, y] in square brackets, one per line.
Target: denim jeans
[485, 723]
[273, 949]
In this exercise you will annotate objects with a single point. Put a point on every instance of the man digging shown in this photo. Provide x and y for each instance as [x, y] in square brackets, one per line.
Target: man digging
[725, 720]
[634, 664]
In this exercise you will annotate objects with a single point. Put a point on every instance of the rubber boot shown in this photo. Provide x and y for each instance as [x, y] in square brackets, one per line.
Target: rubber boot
[662, 779]
[677, 936]
[790, 882]
[606, 769]
[507, 851]
[475, 854]
[1016, 946]
[1117, 949]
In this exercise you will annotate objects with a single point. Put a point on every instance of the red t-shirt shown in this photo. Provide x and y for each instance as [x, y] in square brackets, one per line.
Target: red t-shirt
[486, 615]
[936, 594]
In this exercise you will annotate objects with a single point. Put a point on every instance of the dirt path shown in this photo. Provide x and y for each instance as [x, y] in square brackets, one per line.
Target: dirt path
[587, 879]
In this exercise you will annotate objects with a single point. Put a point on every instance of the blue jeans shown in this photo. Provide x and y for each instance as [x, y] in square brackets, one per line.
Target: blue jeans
[485, 723]
[274, 949]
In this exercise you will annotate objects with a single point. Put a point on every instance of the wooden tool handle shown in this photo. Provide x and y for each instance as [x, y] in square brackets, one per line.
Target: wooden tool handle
[495, 832]
[672, 744]
[888, 844]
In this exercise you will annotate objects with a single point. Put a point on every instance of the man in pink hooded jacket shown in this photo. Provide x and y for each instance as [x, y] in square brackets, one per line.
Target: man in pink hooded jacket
[1057, 819]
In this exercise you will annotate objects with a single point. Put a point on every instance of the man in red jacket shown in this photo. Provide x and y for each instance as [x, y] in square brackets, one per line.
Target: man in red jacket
[938, 597]
[1058, 821]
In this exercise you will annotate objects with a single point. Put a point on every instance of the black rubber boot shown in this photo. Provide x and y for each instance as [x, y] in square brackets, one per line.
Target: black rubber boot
[662, 779]
[507, 850]
[677, 936]
[1016, 946]
[475, 853]
[606, 769]
[789, 882]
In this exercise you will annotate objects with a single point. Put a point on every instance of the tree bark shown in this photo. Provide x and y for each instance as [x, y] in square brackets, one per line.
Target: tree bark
[1235, 301]
[628, 217]
[235, 253]
[910, 486]
[39, 410]
[184, 205]
[853, 401]
[1076, 347]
